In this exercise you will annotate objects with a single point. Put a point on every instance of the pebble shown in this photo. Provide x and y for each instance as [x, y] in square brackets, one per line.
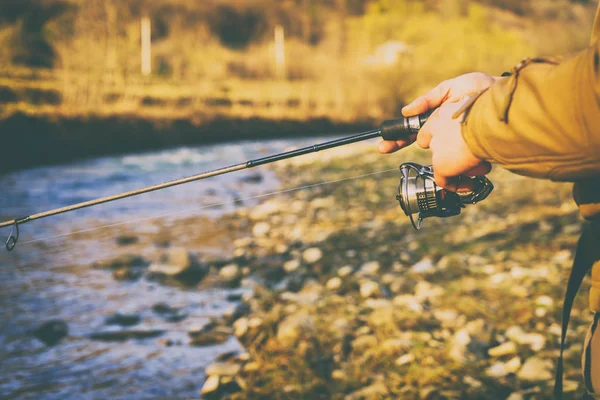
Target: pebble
[211, 385]
[292, 327]
[240, 327]
[503, 349]
[535, 369]
[251, 366]
[364, 342]
[345, 271]
[405, 359]
[229, 272]
[370, 268]
[423, 266]
[291, 266]
[261, 229]
[408, 301]
[544, 301]
[123, 319]
[334, 283]
[369, 289]
[312, 255]
[458, 347]
[223, 369]
[339, 375]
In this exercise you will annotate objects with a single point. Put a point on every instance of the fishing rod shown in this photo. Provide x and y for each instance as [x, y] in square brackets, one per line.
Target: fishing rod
[418, 192]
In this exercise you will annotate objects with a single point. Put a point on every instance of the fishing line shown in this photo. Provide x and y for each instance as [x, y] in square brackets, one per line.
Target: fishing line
[278, 192]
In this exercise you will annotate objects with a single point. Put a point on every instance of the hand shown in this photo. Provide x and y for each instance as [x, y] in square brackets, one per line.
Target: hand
[451, 157]
[446, 93]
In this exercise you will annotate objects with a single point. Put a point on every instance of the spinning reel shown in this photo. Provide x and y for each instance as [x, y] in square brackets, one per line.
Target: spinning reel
[419, 194]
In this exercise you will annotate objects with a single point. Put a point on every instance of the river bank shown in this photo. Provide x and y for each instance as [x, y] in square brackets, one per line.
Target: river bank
[39, 139]
[335, 296]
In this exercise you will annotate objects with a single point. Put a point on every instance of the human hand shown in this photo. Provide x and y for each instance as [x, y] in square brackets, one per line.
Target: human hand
[452, 158]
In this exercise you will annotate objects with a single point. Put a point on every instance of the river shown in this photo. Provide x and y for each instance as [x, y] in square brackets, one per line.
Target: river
[53, 279]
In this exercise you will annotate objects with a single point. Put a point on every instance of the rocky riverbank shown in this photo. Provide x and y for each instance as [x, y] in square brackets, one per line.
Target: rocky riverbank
[342, 299]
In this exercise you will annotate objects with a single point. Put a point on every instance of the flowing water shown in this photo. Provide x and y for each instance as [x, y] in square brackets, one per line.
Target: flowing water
[53, 279]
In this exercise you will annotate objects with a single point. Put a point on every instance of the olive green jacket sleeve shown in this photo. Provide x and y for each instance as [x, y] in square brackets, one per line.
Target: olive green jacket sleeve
[542, 121]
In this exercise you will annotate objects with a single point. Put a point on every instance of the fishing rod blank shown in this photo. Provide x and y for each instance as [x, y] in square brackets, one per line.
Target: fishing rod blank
[396, 129]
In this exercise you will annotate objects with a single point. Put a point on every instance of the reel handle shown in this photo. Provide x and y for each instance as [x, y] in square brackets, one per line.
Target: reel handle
[402, 128]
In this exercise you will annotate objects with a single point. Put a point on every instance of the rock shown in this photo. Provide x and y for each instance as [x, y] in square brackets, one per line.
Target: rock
[203, 339]
[535, 369]
[370, 268]
[261, 229]
[312, 255]
[369, 289]
[210, 386]
[423, 266]
[178, 263]
[515, 396]
[377, 390]
[544, 301]
[123, 319]
[447, 317]
[236, 311]
[252, 178]
[230, 273]
[120, 336]
[240, 327]
[291, 266]
[126, 240]
[126, 261]
[534, 340]
[334, 284]
[395, 345]
[168, 313]
[233, 297]
[292, 327]
[345, 271]
[252, 366]
[339, 375]
[405, 359]
[128, 273]
[363, 343]
[500, 369]
[51, 332]
[408, 301]
[503, 350]
[223, 369]
[458, 347]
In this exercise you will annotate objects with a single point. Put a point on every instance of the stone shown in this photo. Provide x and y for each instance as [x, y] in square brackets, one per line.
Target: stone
[447, 317]
[120, 336]
[339, 375]
[128, 273]
[223, 369]
[168, 313]
[210, 386]
[345, 271]
[334, 284]
[458, 346]
[423, 266]
[291, 266]
[536, 341]
[408, 301]
[123, 319]
[209, 338]
[544, 301]
[312, 255]
[128, 260]
[515, 396]
[363, 343]
[230, 273]
[292, 327]
[395, 345]
[261, 229]
[369, 289]
[125, 240]
[52, 332]
[240, 327]
[377, 390]
[178, 263]
[370, 268]
[535, 369]
[503, 349]
[252, 366]
[405, 359]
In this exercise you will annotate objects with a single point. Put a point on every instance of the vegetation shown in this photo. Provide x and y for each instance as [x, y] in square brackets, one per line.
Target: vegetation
[75, 57]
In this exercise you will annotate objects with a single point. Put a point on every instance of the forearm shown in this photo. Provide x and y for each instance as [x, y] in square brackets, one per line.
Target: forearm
[547, 126]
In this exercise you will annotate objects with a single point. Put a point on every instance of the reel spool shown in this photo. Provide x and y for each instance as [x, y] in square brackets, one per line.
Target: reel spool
[419, 194]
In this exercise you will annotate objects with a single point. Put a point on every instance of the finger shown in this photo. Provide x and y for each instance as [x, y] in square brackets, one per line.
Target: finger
[482, 169]
[391, 146]
[458, 184]
[431, 99]
[426, 132]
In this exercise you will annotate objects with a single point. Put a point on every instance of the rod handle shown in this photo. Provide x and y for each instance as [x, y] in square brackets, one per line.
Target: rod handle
[402, 128]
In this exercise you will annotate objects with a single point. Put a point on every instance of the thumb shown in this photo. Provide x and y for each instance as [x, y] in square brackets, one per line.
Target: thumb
[431, 99]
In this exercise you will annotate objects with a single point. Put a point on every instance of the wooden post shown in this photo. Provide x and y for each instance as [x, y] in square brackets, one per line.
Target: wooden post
[146, 46]
[280, 52]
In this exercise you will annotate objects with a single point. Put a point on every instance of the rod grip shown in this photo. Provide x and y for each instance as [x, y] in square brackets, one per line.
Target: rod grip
[402, 128]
